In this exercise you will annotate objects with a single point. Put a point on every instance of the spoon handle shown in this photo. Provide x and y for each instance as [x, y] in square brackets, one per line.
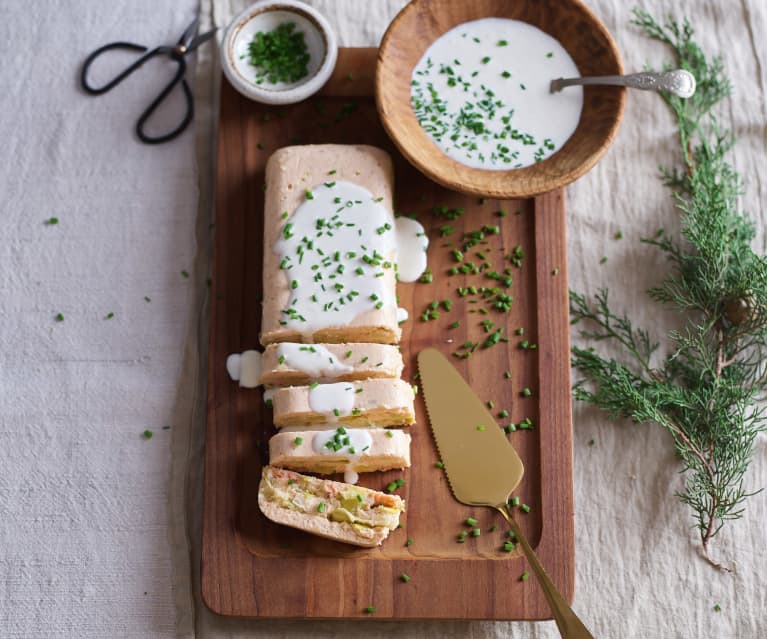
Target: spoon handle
[679, 82]
[570, 627]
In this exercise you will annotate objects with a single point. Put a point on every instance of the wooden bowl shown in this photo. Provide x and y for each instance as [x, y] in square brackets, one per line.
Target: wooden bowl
[577, 29]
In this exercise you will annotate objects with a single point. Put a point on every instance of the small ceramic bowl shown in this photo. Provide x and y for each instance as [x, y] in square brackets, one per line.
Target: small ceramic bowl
[266, 16]
[570, 22]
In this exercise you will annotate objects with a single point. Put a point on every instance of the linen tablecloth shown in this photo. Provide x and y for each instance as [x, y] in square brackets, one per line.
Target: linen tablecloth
[99, 526]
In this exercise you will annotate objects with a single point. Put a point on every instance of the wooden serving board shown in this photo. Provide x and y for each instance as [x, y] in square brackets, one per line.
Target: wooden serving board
[252, 567]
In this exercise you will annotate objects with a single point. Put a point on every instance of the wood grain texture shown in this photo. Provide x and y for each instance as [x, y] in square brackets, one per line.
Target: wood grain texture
[579, 31]
[252, 567]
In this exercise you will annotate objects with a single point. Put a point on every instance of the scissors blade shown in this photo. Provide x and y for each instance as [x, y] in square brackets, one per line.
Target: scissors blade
[188, 35]
[200, 39]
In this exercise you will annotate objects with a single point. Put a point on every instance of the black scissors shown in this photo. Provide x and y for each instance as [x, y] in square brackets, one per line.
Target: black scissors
[187, 43]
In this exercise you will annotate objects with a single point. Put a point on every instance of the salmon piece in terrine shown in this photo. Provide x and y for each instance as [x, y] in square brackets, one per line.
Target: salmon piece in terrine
[371, 402]
[291, 364]
[329, 246]
[337, 449]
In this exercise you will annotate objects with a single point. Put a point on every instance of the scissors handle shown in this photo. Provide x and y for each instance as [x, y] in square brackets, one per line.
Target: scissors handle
[188, 115]
[174, 54]
[89, 88]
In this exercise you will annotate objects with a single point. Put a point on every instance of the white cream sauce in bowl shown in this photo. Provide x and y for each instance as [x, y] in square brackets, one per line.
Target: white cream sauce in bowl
[481, 93]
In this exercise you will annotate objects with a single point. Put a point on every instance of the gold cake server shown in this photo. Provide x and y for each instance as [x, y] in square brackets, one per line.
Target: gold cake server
[482, 467]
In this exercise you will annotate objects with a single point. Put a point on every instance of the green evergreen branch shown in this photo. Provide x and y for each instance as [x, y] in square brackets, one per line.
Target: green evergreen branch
[704, 392]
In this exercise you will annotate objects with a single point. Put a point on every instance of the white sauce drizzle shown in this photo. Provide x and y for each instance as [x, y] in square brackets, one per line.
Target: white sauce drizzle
[250, 369]
[245, 368]
[360, 442]
[333, 250]
[269, 394]
[402, 315]
[503, 68]
[412, 243]
[233, 366]
[352, 443]
[332, 400]
[314, 360]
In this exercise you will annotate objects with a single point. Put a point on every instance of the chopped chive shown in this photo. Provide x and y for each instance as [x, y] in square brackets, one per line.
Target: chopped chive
[439, 464]
[370, 609]
[476, 532]
[409, 542]
[526, 392]
[147, 434]
[525, 507]
[471, 521]
[59, 317]
[507, 374]
[480, 428]
[321, 508]
[309, 195]
[314, 385]
[52, 221]
[404, 577]
[515, 501]
[524, 576]
[389, 434]
[298, 441]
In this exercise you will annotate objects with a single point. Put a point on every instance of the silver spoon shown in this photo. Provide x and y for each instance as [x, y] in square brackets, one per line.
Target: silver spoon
[679, 82]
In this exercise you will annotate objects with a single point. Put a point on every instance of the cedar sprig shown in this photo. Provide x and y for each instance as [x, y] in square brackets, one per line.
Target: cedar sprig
[705, 392]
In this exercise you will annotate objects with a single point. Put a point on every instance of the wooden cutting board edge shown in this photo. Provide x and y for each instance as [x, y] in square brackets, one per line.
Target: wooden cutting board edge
[332, 588]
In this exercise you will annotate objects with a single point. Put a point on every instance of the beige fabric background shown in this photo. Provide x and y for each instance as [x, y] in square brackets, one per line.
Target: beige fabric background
[638, 572]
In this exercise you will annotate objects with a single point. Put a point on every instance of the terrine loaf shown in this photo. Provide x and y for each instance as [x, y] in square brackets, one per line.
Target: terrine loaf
[288, 363]
[330, 248]
[345, 513]
[338, 450]
[371, 402]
